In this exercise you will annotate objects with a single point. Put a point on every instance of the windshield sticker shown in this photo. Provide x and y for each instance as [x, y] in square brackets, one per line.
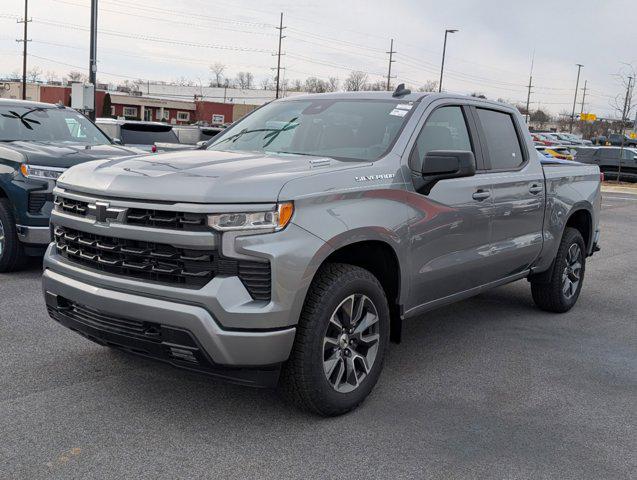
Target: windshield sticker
[404, 106]
[397, 112]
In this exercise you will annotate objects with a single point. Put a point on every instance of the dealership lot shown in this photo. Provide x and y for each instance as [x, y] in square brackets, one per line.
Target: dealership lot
[489, 387]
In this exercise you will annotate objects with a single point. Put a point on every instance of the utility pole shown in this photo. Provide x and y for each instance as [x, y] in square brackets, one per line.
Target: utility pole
[579, 68]
[528, 95]
[25, 41]
[280, 28]
[625, 113]
[92, 74]
[391, 60]
[583, 97]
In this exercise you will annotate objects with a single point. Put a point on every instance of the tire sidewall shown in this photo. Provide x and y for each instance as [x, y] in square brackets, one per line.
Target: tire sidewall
[344, 287]
[570, 238]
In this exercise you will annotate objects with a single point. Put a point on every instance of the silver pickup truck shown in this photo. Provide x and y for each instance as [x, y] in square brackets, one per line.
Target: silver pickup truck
[290, 251]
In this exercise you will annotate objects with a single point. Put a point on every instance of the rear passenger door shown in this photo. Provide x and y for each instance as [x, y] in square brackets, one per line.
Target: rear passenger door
[517, 186]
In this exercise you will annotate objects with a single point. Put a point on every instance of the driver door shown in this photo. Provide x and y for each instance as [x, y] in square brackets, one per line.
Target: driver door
[449, 227]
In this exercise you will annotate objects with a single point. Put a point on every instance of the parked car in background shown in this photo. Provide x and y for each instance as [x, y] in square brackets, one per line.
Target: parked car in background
[148, 136]
[290, 251]
[38, 142]
[194, 134]
[599, 140]
[615, 139]
[542, 150]
[609, 160]
[563, 152]
[546, 139]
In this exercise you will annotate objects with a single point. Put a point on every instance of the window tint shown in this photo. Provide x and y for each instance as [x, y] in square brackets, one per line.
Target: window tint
[502, 139]
[445, 129]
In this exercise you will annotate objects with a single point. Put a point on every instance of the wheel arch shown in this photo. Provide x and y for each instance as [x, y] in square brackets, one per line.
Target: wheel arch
[378, 255]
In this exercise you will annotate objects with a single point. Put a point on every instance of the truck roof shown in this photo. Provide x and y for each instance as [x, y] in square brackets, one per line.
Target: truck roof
[374, 95]
[12, 102]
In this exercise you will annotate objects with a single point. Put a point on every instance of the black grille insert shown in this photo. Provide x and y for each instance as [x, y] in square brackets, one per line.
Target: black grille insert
[37, 201]
[159, 262]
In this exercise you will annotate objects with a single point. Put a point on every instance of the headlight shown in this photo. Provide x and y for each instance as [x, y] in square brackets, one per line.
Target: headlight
[273, 220]
[45, 173]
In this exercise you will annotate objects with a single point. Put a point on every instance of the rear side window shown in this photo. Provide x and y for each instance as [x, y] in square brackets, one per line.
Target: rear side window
[445, 129]
[503, 144]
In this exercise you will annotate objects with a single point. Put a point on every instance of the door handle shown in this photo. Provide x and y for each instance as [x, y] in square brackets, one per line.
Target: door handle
[481, 195]
[535, 188]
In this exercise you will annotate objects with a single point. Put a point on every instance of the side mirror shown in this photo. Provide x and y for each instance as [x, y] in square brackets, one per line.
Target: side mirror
[443, 164]
[202, 144]
[117, 141]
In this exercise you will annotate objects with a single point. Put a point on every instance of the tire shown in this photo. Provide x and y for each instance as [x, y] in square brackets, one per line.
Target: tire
[562, 290]
[312, 378]
[11, 251]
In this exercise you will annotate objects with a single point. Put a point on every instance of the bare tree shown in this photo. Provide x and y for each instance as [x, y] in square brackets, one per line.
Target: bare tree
[244, 80]
[334, 84]
[184, 82]
[217, 72]
[34, 73]
[356, 81]
[296, 85]
[266, 84]
[429, 86]
[75, 76]
[540, 118]
[316, 85]
[51, 76]
[377, 86]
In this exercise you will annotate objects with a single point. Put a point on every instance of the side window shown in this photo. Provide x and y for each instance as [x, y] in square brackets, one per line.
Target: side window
[445, 129]
[502, 139]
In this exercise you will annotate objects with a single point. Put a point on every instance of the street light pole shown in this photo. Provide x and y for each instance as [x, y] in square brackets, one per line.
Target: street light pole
[579, 68]
[444, 50]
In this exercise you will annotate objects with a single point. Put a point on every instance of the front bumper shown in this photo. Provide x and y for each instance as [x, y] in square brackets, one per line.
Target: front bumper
[33, 235]
[165, 330]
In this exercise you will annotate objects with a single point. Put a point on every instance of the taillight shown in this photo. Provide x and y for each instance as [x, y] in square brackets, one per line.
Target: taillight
[153, 149]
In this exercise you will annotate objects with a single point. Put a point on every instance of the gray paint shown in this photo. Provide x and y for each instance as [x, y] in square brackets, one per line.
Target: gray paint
[448, 244]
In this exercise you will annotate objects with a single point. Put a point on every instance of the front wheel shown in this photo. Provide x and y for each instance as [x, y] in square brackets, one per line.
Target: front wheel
[563, 289]
[340, 343]
[11, 252]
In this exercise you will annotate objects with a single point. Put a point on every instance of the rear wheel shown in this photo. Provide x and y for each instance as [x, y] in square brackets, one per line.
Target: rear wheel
[11, 252]
[340, 343]
[562, 291]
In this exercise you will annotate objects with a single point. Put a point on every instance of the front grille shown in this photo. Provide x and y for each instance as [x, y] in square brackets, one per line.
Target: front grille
[143, 217]
[37, 201]
[159, 262]
[74, 207]
[166, 219]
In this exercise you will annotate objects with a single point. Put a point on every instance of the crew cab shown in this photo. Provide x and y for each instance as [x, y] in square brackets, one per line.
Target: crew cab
[290, 251]
[38, 141]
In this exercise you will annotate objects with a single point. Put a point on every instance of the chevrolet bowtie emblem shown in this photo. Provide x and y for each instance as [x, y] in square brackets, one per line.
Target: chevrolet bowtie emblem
[103, 212]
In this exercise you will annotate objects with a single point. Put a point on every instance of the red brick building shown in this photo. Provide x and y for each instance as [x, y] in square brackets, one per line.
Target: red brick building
[178, 111]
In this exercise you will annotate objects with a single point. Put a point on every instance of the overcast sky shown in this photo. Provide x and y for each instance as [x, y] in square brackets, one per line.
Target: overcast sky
[491, 53]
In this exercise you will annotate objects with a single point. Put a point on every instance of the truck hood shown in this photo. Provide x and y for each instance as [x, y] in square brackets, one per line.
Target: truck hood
[197, 176]
[65, 154]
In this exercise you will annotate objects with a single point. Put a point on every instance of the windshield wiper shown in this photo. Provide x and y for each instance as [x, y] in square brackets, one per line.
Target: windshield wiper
[26, 122]
[272, 134]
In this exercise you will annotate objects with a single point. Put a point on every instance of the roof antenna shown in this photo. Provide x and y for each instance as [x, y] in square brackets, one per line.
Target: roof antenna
[401, 91]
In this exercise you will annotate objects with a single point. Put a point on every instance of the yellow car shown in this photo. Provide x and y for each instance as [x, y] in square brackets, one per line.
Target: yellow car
[563, 153]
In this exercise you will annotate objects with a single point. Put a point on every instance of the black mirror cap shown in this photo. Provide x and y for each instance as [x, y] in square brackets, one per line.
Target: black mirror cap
[443, 164]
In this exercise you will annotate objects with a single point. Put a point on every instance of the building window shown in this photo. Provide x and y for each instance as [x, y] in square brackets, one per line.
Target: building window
[216, 118]
[159, 116]
[112, 111]
[183, 116]
[130, 111]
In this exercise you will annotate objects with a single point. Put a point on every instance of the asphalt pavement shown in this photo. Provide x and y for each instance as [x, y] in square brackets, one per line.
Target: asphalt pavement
[487, 388]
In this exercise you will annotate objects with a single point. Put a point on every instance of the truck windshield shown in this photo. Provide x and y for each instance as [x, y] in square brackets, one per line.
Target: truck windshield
[47, 124]
[346, 129]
